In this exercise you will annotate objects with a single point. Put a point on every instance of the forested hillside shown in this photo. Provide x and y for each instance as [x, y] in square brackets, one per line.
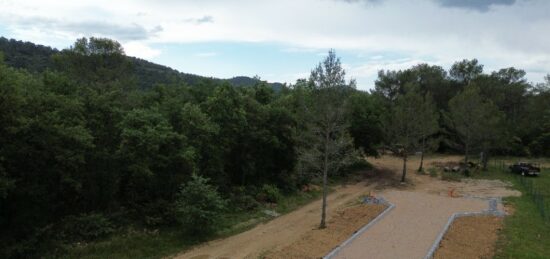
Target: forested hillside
[99, 141]
[38, 58]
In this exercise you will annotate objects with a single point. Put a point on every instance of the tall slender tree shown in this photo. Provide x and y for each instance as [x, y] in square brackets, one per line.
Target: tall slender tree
[475, 120]
[428, 122]
[330, 146]
[405, 129]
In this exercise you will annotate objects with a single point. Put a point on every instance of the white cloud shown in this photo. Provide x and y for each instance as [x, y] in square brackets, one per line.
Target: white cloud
[138, 49]
[510, 34]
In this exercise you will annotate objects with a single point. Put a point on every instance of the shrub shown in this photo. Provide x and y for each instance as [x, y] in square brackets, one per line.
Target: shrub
[199, 206]
[85, 227]
[269, 193]
[158, 213]
[241, 200]
[358, 164]
[433, 172]
[451, 176]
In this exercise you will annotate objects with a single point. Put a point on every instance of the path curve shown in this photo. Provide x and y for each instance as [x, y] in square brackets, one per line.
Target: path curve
[410, 229]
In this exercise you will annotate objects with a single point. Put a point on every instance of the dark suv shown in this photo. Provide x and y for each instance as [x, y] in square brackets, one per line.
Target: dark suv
[525, 169]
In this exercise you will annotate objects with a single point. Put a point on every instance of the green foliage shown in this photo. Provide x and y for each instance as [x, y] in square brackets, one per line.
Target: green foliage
[466, 70]
[451, 176]
[269, 193]
[243, 201]
[365, 115]
[477, 121]
[199, 206]
[432, 172]
[85, 227]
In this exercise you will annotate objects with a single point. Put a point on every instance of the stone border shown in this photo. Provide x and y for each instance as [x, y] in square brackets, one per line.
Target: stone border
[359, 232]
[491, 211]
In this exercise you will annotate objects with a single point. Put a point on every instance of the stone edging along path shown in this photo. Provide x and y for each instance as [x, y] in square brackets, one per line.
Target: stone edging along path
[492, 211]
[360, 231]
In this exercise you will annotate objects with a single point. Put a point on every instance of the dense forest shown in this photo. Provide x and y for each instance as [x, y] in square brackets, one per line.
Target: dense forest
[92, 140]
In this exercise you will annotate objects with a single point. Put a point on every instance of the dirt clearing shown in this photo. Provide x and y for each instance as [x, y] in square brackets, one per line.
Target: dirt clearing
[317, 243]
[470, 237]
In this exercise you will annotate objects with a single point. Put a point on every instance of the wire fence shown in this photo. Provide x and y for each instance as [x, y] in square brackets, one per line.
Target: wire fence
[539, 195]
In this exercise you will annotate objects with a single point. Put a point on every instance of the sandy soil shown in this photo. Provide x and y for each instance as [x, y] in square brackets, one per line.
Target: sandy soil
[470, 237]
[279, 232]
[317, 243]
[425, 183]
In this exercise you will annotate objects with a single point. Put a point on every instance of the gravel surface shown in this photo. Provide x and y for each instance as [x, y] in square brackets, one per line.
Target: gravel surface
[410, 229]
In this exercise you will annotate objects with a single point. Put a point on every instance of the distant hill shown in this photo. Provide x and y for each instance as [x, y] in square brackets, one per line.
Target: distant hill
[27, 55]
[37, 58]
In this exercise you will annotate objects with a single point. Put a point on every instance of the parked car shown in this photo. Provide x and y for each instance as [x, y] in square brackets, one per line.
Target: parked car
[525, 169]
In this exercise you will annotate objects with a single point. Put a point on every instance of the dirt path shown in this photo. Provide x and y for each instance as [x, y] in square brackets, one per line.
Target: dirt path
[279, 232]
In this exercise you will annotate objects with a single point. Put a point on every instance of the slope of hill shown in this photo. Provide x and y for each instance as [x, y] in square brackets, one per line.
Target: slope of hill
[37, 58]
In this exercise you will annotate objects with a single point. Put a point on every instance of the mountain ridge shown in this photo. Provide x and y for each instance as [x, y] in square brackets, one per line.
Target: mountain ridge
[37, 58]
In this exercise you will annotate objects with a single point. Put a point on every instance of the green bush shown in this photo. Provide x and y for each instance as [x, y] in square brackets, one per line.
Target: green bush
[158, 213]
[269, 193]
[85, 227]
[241, 200]
[433, 172]
[358, 164]
[451, 176]
[199, 206]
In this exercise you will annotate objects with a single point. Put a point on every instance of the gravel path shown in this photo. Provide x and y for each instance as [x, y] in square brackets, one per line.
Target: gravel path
[410, 229]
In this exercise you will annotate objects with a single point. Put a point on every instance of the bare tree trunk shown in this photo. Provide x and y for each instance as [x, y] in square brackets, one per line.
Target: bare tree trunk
[466, 153]
[485, 159]
[422, 155]
[325, 173]
[404, 166]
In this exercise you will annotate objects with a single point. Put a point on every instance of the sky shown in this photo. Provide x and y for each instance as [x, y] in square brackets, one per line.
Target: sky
[282, 40]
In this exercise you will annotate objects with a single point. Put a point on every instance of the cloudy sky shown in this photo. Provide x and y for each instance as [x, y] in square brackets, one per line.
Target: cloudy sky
[282, 40]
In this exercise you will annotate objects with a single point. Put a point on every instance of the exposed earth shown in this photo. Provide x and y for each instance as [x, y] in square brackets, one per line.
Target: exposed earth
[470, 238]
[316, 243]
[423, 206]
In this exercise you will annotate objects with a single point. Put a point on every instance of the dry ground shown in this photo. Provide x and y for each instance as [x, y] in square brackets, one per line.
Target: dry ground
[295, 226]
[470, 238]
[279, 232]
[316, 243]
[428, 184]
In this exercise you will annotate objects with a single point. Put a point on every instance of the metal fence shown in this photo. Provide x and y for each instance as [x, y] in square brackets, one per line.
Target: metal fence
[541, 198]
